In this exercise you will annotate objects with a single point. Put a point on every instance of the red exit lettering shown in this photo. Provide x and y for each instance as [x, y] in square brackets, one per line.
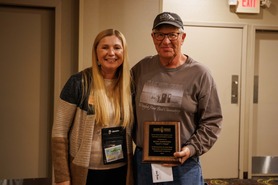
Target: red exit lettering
[249, 3]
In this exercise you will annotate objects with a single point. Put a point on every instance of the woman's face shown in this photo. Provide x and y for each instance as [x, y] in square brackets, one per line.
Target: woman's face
[110, 54]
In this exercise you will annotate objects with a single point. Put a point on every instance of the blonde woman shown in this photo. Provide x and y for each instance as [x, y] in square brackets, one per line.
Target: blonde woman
[91, 135]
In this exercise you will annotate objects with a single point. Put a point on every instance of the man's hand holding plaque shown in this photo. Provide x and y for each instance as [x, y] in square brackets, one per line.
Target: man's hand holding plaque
[183, 155]
[161, 141]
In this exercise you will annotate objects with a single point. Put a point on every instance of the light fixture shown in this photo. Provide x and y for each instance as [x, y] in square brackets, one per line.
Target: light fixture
[232, 2]
[265, 3]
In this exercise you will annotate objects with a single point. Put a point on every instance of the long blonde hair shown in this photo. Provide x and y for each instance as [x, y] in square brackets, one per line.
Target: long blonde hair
[120, 96]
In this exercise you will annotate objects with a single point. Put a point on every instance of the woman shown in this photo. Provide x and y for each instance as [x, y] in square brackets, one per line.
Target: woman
[93, 104]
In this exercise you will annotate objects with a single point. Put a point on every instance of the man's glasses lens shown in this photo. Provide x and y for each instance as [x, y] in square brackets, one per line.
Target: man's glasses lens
[171, 36]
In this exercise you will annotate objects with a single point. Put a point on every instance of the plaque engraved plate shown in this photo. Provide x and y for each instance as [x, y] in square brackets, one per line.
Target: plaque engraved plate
[161, 141]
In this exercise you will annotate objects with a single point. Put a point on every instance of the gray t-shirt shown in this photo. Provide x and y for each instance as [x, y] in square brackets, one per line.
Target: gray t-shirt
[186, 94]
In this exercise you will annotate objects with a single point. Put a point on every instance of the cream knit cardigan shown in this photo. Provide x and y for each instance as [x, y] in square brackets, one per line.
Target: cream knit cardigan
[72, 135]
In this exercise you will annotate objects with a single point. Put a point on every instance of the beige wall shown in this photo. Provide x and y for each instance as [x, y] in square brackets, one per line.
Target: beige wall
[69, 38]
[135, 18]
[218, 11]
[132, 18]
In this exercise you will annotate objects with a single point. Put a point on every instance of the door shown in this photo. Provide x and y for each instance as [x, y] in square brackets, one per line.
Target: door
[265, 138]
[27, 87]
[220, 48]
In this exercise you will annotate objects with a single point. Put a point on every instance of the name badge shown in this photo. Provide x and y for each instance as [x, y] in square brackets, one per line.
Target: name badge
[114, 145]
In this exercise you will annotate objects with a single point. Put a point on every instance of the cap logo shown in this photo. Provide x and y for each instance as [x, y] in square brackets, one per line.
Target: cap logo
[166, 17]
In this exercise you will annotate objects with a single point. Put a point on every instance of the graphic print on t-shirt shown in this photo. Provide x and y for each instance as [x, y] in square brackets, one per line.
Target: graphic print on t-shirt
[160, 96]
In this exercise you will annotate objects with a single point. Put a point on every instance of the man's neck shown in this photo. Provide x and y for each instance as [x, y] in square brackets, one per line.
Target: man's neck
[174, 62]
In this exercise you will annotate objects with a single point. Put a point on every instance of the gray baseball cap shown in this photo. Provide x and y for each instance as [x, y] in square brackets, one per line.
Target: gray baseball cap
[168, 18]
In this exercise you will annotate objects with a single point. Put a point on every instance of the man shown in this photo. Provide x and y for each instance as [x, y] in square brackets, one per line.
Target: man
[171, 86]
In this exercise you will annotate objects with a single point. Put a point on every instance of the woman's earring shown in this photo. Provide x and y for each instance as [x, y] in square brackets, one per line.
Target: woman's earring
[98, 63]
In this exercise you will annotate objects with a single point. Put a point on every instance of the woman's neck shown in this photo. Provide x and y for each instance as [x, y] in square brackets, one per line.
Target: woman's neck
[108, 74]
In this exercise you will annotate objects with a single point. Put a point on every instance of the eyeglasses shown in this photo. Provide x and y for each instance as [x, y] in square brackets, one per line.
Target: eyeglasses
[160, 36]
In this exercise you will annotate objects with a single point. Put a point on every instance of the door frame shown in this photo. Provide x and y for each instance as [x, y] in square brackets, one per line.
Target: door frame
[250, 84]
[243, 112]
[57, 6]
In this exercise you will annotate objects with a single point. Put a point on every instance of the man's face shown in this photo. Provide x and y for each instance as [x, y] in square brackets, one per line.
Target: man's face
[168, 41]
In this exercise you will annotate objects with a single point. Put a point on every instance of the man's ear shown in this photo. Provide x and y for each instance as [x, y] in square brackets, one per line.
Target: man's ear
[183, 36]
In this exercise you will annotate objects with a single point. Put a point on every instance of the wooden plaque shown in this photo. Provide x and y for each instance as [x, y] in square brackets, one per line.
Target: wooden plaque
[161, 141]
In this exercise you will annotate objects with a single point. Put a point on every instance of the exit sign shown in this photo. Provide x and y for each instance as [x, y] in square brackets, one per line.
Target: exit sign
[248, 6]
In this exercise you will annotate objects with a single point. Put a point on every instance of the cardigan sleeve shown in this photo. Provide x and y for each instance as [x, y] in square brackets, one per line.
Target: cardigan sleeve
[66, 110]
